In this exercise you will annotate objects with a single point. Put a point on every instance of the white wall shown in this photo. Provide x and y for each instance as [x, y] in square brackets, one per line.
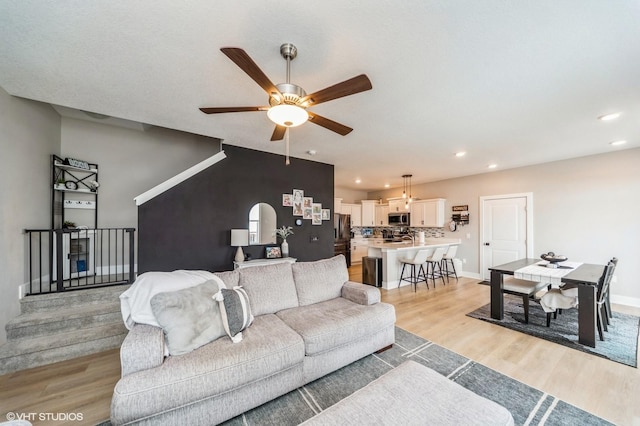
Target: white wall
[131, 162]
[584, 208]
[349, 196]
[30, 133]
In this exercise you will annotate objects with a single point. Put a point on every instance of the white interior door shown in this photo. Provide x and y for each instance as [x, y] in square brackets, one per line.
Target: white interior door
[506, 230]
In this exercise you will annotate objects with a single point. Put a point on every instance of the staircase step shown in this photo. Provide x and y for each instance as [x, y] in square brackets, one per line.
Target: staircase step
[26, 353]
[53, 301]
[51, 321]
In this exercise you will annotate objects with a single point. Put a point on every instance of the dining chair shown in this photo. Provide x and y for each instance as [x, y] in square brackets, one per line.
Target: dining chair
[607, 305]
[559, 299]
[448, 259]
[524, 288]
[416, 261]
[435, 260]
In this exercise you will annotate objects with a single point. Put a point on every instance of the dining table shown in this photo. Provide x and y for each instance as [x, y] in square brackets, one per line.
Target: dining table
[584, 276]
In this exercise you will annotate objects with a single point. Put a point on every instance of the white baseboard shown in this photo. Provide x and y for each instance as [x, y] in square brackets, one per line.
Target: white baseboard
[23, 290]
[625, 300]
[473, 275]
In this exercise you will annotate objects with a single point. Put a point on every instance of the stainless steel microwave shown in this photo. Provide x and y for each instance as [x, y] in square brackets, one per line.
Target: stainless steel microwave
[399, 219]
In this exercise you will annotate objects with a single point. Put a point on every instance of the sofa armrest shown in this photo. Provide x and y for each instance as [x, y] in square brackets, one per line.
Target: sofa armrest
[361, 294]
[142, 349]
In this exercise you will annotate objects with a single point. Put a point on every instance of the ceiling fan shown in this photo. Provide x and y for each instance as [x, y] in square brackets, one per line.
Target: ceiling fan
[288, 102]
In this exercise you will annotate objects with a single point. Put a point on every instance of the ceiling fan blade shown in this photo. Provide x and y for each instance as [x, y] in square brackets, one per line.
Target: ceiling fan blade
[244, 61]
[278, 133]
[352, 86]
[329, 124]
[220, 110]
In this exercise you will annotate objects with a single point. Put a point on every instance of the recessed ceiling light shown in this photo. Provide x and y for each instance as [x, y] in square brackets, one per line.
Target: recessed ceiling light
[608, 117]
[312, 152]
[492, 166]
[617, 143]
[358, 180]
[460, 154]
[386, 185]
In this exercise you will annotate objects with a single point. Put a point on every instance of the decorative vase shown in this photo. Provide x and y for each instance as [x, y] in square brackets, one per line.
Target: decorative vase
[285, 248]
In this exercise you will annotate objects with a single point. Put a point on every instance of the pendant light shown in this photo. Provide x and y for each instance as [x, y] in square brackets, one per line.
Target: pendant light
[405, 179]
[404, 186]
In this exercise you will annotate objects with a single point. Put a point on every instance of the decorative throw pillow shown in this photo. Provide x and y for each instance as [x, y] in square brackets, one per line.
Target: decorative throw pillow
[235, 311]
[189, 317]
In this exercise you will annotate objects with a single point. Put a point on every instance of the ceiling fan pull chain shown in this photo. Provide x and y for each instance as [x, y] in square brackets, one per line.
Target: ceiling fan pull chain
[286, 144]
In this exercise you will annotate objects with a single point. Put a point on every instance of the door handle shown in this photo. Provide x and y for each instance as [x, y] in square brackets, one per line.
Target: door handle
[486, 244]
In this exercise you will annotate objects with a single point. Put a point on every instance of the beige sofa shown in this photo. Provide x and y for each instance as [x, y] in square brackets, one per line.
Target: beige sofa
[310, 320]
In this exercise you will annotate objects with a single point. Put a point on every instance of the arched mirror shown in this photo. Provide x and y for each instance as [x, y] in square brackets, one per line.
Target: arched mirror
[262, 224]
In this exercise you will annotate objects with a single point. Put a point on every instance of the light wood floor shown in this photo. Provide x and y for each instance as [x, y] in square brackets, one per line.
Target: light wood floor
[605, 388]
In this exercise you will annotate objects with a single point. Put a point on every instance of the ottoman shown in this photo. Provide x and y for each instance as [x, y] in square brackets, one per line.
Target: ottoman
[413, 394]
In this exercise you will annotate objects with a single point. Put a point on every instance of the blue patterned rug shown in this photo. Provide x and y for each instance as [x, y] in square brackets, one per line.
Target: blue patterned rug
[620, 344]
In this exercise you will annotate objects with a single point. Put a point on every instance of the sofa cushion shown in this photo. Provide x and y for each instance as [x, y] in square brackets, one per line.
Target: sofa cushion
[327, 325]
[269, 347]
[270, 288]
[321, 280]
[189, 317]
[235, 311]
[230, 278]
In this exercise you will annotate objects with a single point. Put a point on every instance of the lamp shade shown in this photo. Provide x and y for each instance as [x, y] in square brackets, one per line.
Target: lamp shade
[287, 115]
[239, 237]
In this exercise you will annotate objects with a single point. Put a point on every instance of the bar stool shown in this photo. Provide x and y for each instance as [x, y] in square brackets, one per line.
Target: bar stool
[433, 261]
[448, 258]
[418, 260]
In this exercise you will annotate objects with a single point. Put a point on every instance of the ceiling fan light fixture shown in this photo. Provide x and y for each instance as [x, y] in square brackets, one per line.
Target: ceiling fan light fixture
[288, 115]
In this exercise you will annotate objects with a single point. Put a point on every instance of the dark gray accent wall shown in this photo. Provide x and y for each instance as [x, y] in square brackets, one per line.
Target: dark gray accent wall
[188, 226]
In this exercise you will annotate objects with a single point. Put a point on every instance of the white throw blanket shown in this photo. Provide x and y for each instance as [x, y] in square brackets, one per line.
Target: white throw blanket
[135, 303]
[557, 298]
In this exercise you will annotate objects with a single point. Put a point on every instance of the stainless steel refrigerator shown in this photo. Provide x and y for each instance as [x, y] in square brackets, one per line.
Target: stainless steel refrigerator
[342, 236]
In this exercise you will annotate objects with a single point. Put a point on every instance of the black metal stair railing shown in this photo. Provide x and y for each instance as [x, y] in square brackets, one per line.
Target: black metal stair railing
[89, 258]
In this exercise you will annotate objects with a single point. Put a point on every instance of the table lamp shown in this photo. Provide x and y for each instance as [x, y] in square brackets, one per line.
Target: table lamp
[239, 238]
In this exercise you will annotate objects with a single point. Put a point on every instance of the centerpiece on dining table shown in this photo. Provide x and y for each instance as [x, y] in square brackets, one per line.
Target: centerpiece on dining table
[553, 259]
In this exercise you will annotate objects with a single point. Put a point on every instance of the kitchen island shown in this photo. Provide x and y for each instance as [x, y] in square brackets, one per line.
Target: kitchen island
[391, 252]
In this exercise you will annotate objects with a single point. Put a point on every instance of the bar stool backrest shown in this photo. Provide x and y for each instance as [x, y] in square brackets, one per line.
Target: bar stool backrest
[451, 252]
[437, 255]
[421, 257]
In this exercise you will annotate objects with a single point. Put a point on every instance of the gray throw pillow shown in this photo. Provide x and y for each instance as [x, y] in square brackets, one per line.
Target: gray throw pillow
[190, 318]
[235, 311]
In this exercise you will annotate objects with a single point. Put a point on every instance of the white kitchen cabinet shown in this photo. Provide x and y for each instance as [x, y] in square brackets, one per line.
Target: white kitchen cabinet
[355, 211]
[358, 250]
[356, 215]
[428, 213]
[337, 205]
[369, 212]
[382, 215]
[397, 206]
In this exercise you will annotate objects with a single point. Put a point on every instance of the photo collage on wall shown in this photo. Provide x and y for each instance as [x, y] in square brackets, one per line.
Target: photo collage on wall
[305, 207]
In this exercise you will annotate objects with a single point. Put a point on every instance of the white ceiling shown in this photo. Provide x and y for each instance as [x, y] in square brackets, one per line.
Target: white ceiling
[510, 82]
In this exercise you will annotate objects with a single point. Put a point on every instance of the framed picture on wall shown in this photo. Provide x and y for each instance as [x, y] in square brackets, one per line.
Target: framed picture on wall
[297, 208]
[298, 195]
[287, 200]
[316, 219]
[307, 212]
[272, 252]
[326, 214]
[316, 208]
[308, 202]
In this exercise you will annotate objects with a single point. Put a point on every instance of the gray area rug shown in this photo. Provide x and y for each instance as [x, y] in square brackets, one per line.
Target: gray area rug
[526, 404]
[621, 341]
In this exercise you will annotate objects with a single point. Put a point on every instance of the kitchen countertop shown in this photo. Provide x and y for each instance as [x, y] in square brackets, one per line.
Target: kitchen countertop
[408, 244]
